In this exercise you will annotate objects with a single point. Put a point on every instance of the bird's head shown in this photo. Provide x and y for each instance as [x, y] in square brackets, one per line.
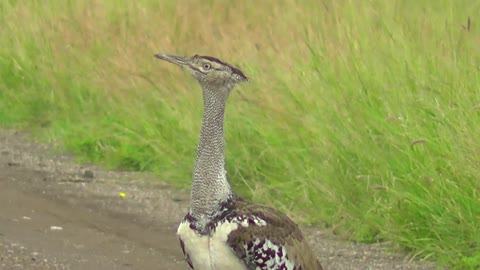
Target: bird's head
[210, 72]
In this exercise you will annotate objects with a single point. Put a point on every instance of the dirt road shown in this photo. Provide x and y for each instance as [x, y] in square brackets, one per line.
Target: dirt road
[57, 214]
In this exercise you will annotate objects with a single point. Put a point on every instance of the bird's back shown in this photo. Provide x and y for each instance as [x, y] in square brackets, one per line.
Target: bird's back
[272, 241]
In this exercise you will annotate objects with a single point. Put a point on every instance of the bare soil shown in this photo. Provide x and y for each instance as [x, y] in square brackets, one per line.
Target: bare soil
[58, 214]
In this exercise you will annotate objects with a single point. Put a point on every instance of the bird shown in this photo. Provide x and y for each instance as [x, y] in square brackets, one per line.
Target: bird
[222, 230]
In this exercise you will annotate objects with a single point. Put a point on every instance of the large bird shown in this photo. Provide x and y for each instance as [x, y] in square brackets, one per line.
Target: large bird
[221, 230]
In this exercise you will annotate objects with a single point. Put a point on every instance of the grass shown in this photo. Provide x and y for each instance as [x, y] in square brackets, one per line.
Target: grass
[360, 116]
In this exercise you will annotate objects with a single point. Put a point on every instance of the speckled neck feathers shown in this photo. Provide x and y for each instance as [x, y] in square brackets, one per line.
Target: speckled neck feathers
[210, 186]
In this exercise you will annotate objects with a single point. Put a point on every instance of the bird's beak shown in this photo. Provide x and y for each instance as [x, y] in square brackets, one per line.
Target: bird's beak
[181, 61]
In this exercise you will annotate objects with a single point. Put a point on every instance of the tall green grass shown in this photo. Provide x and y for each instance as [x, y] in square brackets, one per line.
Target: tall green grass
[361, 116]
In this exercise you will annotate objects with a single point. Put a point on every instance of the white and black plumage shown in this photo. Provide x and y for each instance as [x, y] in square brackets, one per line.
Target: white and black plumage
[222, 231]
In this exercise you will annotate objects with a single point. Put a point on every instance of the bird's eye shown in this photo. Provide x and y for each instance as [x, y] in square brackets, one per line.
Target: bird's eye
[206, 66]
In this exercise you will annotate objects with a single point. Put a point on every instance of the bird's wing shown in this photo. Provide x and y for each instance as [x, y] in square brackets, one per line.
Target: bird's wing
[271, 240]
[187, 258]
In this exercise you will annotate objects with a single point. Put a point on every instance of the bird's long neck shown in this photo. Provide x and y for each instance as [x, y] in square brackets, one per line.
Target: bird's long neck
[210, 186]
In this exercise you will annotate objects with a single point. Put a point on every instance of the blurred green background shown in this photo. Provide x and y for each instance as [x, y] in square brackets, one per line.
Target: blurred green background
[360, 116]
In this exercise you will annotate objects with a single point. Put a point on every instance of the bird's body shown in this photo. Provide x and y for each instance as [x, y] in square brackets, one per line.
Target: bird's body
[221, 230]
[246, 236]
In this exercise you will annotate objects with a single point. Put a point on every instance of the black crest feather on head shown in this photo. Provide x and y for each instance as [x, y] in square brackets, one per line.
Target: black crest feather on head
[234, 69]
